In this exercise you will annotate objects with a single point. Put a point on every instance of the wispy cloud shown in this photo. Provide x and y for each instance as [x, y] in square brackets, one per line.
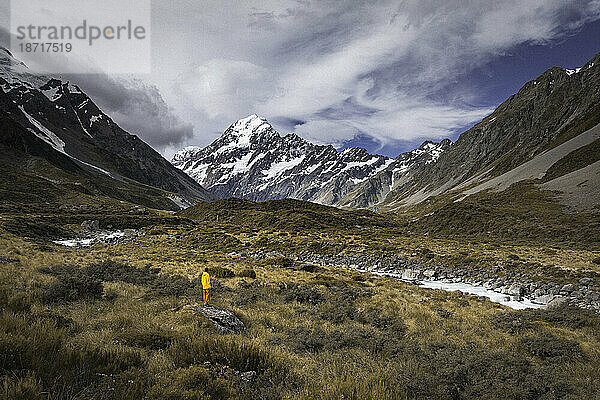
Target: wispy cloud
[376, 69]
[393, 72]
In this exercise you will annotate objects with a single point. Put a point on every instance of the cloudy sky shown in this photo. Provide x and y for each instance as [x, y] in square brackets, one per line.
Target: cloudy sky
[385, 75]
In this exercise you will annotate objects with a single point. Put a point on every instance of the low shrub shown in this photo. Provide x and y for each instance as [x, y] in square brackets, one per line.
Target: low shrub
[337, 310]
[111, 271]
[250, 293]
[303, 339]
[568, 316]
[513, 322]
[446, 371]
[228, 351]
[314, 339]
[293, 291]
[283, 262]
[549, 346]
[75, 287]
[596, 260]
[150, 338]
[26, 387]
[247, 273]
[221, 272]
[308, 267]
[392, 325]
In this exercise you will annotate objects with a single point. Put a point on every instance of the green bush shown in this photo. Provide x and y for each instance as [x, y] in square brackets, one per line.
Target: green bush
[75, 287]
[221, 272]
[150, 338]
[549, 346]
[293, 291]
[247, 273]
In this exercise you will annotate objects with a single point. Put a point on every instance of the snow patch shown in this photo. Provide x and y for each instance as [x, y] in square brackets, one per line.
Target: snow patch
[53, 93]
[95, 118]
[277, 168]
[44, 133]
[181, 201]
[74, 89]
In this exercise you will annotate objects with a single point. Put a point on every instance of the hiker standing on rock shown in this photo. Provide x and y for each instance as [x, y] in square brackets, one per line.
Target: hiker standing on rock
[205, 286]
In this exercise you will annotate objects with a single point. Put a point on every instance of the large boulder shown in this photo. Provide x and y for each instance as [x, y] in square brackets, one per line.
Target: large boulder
[411, 274]
[224, 320]
[514, 290]
[543, 299]
[557, 301]
[91, 225]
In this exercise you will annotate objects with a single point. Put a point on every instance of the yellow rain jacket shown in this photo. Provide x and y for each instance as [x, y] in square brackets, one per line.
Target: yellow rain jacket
[205, 280]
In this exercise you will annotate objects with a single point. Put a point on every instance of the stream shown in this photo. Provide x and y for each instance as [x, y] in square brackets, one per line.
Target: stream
[495, 297]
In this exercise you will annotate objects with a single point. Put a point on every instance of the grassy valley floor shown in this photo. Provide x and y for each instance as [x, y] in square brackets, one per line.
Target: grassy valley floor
[115, 321]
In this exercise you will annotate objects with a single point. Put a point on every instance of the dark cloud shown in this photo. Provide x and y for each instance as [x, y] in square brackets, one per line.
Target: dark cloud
[138, 108]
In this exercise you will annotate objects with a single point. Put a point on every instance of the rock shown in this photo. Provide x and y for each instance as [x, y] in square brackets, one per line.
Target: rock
[430, 273]
[411, 274]
[224, 320]
[543, 299]
[308, 267]
[568, 288]
[91, 225]
[514, 290]
[246, 378]
[6, 260]
[586, 281]
[557, 301]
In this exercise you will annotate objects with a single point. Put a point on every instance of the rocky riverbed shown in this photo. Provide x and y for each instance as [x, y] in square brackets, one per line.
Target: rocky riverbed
[92, 235]
[516, 288]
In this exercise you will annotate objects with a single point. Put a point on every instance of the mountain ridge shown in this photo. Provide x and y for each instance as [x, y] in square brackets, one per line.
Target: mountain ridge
[47, 117]
[252, 160]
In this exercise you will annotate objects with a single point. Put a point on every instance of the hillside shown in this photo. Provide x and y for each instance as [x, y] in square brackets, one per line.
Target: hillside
[554, 112]
[53, 120]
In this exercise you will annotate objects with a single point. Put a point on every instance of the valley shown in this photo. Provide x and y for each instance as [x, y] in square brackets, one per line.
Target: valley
[465, 270]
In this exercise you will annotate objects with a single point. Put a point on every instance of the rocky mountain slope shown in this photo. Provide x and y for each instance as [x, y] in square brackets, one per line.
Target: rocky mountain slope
[253, 161]
[540, 134]
[48, 118]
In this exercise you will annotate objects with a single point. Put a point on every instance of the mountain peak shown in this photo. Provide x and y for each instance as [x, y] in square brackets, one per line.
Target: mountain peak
[251, 123]
[245, 131]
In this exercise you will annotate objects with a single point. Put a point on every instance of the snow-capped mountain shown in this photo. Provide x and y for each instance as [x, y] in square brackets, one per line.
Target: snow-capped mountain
[251, 160]
[49, 118]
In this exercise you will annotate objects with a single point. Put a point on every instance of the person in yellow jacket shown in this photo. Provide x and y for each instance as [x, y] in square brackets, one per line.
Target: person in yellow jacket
[206, 286]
